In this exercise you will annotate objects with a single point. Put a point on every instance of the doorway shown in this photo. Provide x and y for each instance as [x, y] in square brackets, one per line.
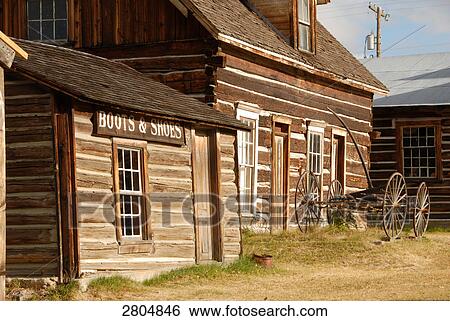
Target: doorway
[206, 200]
[280, 174]
[338, 159]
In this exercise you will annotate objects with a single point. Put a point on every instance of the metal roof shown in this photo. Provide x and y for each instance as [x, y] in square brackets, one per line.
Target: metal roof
[413, 80]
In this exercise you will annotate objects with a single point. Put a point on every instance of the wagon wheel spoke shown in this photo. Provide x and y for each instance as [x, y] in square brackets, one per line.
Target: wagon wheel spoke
[394, 206]
[421, 210]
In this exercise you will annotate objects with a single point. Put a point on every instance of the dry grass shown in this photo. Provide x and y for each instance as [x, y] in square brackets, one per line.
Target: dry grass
[327, 264]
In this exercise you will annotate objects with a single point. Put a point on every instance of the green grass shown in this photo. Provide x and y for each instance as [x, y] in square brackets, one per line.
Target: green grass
[244, 265]
[334, 243]
[112, 283]
[62, 292]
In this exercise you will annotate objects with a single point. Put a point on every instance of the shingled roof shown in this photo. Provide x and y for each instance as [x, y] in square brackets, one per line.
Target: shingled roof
[232, 18]
[104, 82]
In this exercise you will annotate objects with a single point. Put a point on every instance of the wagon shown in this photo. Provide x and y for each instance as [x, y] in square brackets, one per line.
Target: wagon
[391, 201]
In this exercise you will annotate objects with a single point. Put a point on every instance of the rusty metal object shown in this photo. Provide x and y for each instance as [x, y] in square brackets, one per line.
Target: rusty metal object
[366, 171]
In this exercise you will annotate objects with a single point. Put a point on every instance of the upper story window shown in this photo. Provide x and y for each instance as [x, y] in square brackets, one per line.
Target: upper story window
[47, 20]
[304, 12]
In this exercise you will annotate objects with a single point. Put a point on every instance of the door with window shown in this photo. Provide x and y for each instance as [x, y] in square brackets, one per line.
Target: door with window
[280, 173]
[205, 197]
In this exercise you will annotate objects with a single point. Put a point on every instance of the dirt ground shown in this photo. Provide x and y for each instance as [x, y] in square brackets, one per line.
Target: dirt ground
[332, 265]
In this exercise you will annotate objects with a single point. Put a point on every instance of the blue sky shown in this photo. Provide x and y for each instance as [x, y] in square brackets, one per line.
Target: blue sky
[351, 20]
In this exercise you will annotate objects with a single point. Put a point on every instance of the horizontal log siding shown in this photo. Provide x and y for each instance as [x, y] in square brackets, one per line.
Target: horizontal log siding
[31, 216]
[229, 196]
[384, 155]
[280, 94]
[169, 172]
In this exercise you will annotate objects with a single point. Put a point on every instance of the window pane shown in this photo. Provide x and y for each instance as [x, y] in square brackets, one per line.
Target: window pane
[136, 181]
[60, 9]
[60, 29]
[33, 10]
[47, 30]
[128, 231]
[127, 160]
[47, 9]
[303, 11]
[304, 37]
[136, 225]
[127, 181]
[34, 32]
[135, 160]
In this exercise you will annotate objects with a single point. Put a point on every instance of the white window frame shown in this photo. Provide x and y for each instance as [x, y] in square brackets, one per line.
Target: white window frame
[321, 132]
[131, 193]
[249, 111]
[53, 20]
[308, 24]
[419, 147]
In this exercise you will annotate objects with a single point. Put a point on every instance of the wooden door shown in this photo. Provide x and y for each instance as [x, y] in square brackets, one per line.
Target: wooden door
[67, 217]
[204, 175]
[338, 159]
[279, 182]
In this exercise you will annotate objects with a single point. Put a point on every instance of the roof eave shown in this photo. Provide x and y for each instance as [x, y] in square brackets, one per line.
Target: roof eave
[300, 65]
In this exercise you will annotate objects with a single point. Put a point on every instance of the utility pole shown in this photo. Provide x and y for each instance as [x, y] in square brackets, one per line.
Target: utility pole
[380, 14]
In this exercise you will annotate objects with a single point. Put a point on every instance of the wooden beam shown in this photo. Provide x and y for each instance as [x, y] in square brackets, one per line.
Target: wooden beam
[181, 7]
[2, 190]
[22, 53]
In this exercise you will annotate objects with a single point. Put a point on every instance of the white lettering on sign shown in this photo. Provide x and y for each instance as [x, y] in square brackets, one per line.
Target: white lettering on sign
[128, 126]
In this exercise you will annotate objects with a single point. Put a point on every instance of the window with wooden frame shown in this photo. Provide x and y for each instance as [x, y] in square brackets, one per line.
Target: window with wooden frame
[47, 20]
[130, 191]
[305, 23]
[420, 151]
[248, 160]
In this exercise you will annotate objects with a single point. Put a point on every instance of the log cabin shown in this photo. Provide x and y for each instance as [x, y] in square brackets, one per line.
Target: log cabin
[414, 126]
[109, 171]
[270, 64]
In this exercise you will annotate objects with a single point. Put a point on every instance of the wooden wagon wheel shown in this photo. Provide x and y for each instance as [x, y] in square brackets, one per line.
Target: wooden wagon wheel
[395, 206]
[335, 193]
[307, 197]
[421, 210]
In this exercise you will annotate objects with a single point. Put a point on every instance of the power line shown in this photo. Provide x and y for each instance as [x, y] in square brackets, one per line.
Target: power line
[394, 9]
[363, 4]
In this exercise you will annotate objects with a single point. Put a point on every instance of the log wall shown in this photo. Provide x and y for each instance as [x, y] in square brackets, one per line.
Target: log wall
[31, 215]
[171, 204]
[299, 98]
[384, 156]
[106, 23]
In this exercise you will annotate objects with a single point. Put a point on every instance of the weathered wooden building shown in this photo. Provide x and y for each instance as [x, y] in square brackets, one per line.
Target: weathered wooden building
[268, 63]
[414, 126]
[110, 171]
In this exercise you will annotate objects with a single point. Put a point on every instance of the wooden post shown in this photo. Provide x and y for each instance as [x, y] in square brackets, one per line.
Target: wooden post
[378, 32]
[2, 190]
[8, 50]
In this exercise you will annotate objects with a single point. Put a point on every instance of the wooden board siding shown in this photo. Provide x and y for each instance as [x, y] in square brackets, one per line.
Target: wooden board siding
[229, 195]
[278, 13]
[169, 175]
[98, 244]
[93, 23]
[384, 156]
[186, 65]
[299, 99]
[32, 231]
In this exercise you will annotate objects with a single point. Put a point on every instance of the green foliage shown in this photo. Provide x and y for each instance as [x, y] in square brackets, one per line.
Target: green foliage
[62, 292]
[112, 283]
[244, 265]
